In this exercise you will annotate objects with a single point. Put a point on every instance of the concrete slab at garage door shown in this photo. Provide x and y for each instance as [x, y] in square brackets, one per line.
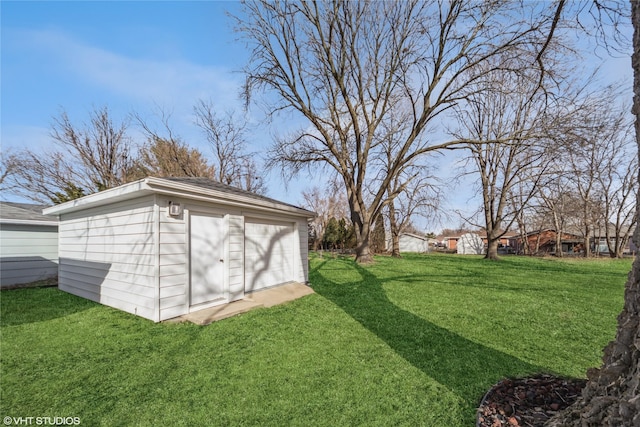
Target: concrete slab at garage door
[269, 252]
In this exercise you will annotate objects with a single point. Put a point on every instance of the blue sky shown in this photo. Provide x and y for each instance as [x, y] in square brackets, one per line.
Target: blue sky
[140, 56]
[130, 56]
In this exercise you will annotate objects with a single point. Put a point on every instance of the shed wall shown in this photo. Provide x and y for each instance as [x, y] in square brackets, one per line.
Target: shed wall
[302, 252]
[107, 254]
[27, 253]
[412, 244]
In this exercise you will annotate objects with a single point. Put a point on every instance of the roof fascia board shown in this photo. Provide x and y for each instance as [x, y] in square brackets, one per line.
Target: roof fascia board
[122, 192]
[178, 189]
[175, 189]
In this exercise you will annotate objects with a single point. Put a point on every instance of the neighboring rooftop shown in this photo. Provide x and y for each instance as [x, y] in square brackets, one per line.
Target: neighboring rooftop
[17, 213]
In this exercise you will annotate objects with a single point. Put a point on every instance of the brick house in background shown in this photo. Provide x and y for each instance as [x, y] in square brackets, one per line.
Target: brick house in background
[544, 242]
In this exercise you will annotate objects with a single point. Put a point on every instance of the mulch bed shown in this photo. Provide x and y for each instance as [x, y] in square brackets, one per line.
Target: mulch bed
[528, 401]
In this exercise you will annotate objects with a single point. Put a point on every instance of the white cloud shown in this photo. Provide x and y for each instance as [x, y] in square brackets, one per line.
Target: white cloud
[174, 83]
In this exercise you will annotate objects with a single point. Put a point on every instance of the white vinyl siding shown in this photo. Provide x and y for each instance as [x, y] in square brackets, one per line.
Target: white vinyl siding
[236, 257]
[302, 252]
[410, 243]
[107, 255]
[27, 253]
[173, 265]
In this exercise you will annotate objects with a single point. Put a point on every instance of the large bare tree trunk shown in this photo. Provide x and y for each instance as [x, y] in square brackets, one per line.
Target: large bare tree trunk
[493, 238]
[612, 395]
[395, 231]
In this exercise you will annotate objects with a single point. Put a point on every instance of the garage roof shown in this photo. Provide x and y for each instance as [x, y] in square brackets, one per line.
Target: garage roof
[24, 213]
[191, 188]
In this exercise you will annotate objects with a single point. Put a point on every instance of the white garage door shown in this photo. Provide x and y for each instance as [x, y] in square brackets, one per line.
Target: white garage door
[268, 253]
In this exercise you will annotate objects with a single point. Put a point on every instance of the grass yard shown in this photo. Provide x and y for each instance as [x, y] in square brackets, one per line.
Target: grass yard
[415, 341]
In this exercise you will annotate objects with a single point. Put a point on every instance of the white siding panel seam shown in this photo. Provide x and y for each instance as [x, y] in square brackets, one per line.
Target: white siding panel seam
[157, 258]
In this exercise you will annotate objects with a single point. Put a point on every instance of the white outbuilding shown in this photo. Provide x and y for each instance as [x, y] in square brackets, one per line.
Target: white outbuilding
[470, 244]
[28, 244]
[163, 247]
[409, 242]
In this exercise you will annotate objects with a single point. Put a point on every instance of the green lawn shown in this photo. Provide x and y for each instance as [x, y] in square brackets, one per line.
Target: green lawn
[415, 341]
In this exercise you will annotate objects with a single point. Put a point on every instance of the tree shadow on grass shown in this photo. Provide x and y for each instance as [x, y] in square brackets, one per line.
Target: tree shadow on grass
[465, 367]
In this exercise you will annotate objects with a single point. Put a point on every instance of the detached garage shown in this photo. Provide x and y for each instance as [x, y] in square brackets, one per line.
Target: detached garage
[28, 244]
[163, 247]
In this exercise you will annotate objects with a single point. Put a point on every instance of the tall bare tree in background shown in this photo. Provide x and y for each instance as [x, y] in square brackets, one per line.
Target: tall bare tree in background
[514, 109]
[226, 134]
[345, 66]
[327, 203]
[602, 173]
[618, 179]
[419, 198]
[83, 159]
[557, 202]
[167, 155]
[414, 191]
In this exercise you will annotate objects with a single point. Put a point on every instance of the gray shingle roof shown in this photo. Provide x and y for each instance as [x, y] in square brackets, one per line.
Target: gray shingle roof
[215, 185]
[24, 212]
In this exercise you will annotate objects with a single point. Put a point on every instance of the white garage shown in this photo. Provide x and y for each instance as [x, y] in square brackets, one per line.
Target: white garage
[163, 247]
[28, 244]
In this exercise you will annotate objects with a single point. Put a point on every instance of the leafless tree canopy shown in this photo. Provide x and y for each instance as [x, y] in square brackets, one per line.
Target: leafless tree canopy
[226, 135]
[165, 154]
[346, 66]
[99, 154]
[83, 159]
[327, 203]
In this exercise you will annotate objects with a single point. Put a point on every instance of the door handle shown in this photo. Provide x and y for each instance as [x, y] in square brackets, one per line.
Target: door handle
[221, 260]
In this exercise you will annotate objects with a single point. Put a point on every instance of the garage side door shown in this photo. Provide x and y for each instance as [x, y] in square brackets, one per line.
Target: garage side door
[207, 263]
[269, 252]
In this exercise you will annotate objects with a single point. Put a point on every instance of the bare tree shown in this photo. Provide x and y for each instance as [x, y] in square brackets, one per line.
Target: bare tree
[414, 191]
[227, 136]
[617, 179]
[166, 155]
[84, 158]
[327, 203]
[8, 167]
[513, 109]
[344, 66]
[593, 149]
[102, 146]
[558, 203]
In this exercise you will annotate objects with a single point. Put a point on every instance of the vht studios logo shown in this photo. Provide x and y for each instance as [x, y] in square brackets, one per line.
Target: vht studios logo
[41, 421]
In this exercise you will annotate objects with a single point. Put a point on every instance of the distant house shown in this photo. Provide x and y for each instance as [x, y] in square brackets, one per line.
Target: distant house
[163, 247]
[599, 240]
[544, 242]
[28, 244]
